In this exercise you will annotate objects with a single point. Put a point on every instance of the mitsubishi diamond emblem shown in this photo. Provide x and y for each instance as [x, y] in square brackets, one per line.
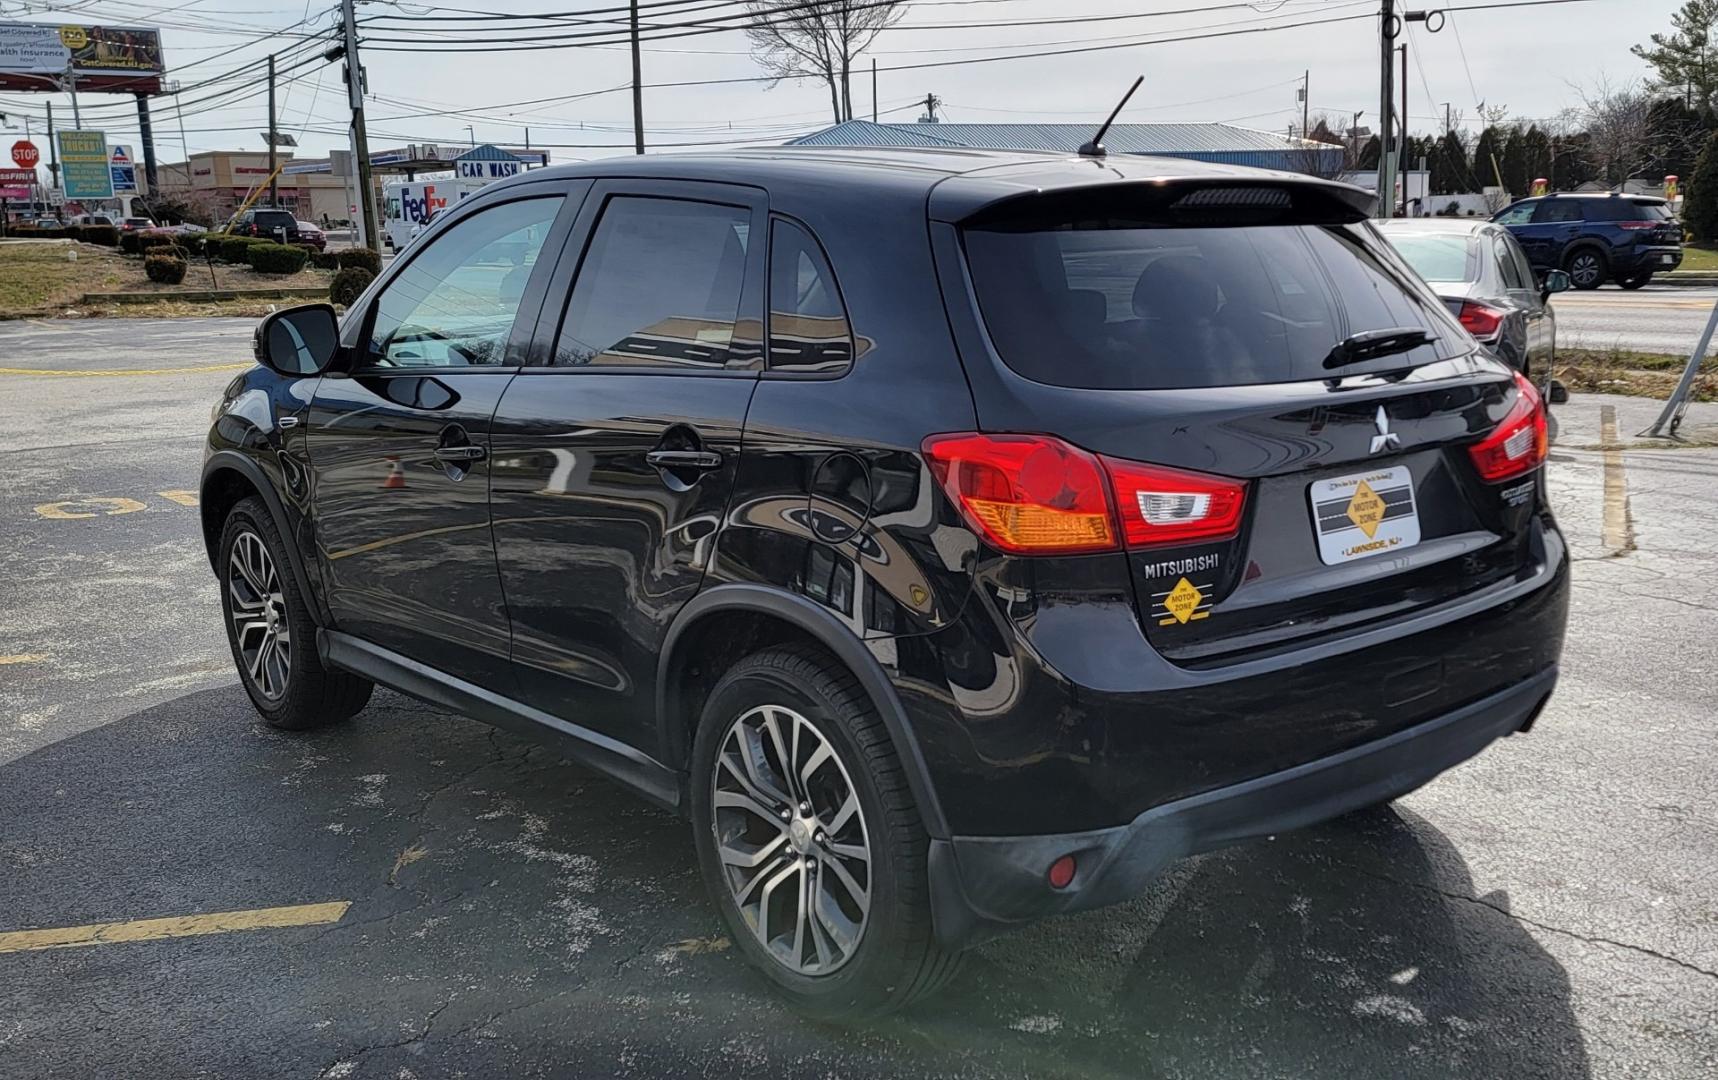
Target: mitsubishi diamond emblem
[1385, 439]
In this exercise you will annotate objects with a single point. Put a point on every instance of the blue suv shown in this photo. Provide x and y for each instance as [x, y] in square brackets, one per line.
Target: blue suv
[1597, 238]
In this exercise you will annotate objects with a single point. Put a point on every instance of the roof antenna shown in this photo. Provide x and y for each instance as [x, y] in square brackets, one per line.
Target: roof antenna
[1095, 147]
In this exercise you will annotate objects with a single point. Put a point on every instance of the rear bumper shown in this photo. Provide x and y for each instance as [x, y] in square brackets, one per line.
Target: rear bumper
[984, 885]
[1649, 260]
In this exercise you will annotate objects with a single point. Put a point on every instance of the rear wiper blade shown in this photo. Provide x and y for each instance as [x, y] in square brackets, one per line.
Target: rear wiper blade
[1371, 344]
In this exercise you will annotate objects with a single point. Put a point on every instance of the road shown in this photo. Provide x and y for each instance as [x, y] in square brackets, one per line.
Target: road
[1657, 319]
[1547, 910]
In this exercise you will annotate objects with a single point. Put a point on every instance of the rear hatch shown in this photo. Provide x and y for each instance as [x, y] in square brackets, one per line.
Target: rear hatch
[1299, 438]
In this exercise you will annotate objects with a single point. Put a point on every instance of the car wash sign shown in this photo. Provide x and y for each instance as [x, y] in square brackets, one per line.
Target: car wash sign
[486, 163]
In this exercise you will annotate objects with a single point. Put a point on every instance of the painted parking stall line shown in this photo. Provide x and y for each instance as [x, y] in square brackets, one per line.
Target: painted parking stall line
[182, 926]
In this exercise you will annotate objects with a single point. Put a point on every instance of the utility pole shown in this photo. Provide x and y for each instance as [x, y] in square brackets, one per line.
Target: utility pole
[873, 89]
[360, 139]
[1403, 164]
[637, 88]
[273, 180]
[1306, 105]
[1388, 24]
[53, 148]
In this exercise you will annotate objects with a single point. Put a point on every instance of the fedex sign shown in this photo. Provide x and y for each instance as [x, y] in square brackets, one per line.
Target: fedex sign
[420, 208]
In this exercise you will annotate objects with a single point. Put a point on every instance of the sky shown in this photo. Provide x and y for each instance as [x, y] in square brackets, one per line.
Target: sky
[1525, 58]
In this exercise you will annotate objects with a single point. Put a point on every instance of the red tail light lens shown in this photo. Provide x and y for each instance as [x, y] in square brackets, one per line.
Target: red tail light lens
[1519, 443]
[1480, 320]
[1037, 495]
[1026, 494]
[1637, 226]
[1168, 506]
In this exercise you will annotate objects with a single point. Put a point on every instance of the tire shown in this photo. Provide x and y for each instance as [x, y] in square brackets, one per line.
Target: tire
[1636, 282]
[1587, 268]
[834, 967]
[266, 617]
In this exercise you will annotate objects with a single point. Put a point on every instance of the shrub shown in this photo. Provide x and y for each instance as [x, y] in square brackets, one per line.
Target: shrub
[106, 235]
[349, 284]
[191, 242]
[131, 243]
[325, 260]
[236, 249]
[164, 268]
[277, 258]
[362, 258]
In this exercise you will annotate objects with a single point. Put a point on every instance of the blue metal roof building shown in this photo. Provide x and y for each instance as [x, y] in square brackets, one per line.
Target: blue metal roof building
[1219, 143]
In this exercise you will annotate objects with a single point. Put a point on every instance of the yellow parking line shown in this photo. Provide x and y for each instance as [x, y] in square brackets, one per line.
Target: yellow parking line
[61, 373]
[22, 658]
[221, 922]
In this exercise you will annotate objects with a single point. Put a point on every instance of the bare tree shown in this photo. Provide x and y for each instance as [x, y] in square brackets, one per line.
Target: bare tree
[1619, 124]
[820, 40]
[1323, 160]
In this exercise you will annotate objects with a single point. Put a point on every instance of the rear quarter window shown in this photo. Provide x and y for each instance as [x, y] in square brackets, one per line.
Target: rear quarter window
[1159, 308]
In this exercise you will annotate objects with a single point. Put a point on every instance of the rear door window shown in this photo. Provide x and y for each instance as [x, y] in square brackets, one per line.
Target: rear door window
[660, 287]
[1155, 307]
[1552, 211]
[1519, 214]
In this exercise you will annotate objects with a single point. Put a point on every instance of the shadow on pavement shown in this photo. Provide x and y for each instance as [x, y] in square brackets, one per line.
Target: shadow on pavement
[512, 914]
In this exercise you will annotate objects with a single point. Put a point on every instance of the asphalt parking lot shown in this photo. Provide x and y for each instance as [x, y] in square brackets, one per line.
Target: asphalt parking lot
[416, 895]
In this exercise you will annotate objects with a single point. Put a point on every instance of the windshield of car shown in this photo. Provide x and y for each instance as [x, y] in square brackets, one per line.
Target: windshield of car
[1439, 256]
[1089, 305]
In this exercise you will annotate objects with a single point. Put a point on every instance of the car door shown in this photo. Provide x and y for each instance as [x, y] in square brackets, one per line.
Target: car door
[399, 441]
[616, 452]
[1556, 224]
[1525, 291]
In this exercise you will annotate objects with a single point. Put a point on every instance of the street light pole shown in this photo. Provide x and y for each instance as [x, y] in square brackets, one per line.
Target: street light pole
[1388, 26]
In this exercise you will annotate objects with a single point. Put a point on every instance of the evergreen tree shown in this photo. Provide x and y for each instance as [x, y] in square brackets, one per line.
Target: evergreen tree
[1458, 177]
[1536, 155]
[1700, 199]
[1369, 154]
[1487, 158]
[1571, 162]
[1514, 163]
[1677, 135]
[1685, 60]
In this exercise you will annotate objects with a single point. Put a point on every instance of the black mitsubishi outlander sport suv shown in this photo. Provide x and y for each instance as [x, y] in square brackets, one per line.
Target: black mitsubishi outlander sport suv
[955, 538]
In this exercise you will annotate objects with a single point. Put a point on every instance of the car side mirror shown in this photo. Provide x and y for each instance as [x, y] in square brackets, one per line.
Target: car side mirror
[1556, 281]
[299, 341]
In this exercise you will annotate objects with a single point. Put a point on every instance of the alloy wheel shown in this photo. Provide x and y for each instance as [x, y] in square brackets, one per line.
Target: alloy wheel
[257, 607]
[792, 839]
[1584, 269]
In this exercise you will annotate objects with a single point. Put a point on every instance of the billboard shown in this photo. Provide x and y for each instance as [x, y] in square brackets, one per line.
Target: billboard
[34, 55]
[85, 171]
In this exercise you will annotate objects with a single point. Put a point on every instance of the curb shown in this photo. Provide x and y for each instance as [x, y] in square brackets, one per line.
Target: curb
[294, 292]
[1687, 277]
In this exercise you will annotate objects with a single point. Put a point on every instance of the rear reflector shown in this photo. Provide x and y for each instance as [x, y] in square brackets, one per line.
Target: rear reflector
[1038, 495]
[1519, 442]
[1480, 320]
[1061, 873]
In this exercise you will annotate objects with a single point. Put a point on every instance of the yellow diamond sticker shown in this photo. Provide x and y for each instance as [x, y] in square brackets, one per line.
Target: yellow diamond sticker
[1366, 509]
[1182, 600]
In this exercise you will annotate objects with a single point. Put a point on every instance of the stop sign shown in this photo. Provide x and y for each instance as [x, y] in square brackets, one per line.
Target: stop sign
[25, 154]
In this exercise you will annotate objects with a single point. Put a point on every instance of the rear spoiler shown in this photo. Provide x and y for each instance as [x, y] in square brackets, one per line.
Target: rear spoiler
[1184, 202]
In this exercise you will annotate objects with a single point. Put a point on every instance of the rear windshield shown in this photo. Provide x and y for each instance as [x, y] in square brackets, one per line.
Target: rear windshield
[1626, 210]
[1158, 308]
[1439, 257]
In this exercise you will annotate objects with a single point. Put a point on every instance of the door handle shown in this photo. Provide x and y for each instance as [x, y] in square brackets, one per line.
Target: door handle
[699, 460]
[460, 453]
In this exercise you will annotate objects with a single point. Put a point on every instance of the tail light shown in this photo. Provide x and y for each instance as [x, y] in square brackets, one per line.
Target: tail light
[1168, 506]
[1520, 441]
[1481, 320]
[1637, 226]
[1038, 495]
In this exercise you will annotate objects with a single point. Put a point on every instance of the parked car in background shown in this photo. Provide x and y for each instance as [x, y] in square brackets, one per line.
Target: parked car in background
[309, 235]
[1597, 238]
[274, 224]
[92, 219]
[951, 562]
[1483, 276]
[134, 224]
